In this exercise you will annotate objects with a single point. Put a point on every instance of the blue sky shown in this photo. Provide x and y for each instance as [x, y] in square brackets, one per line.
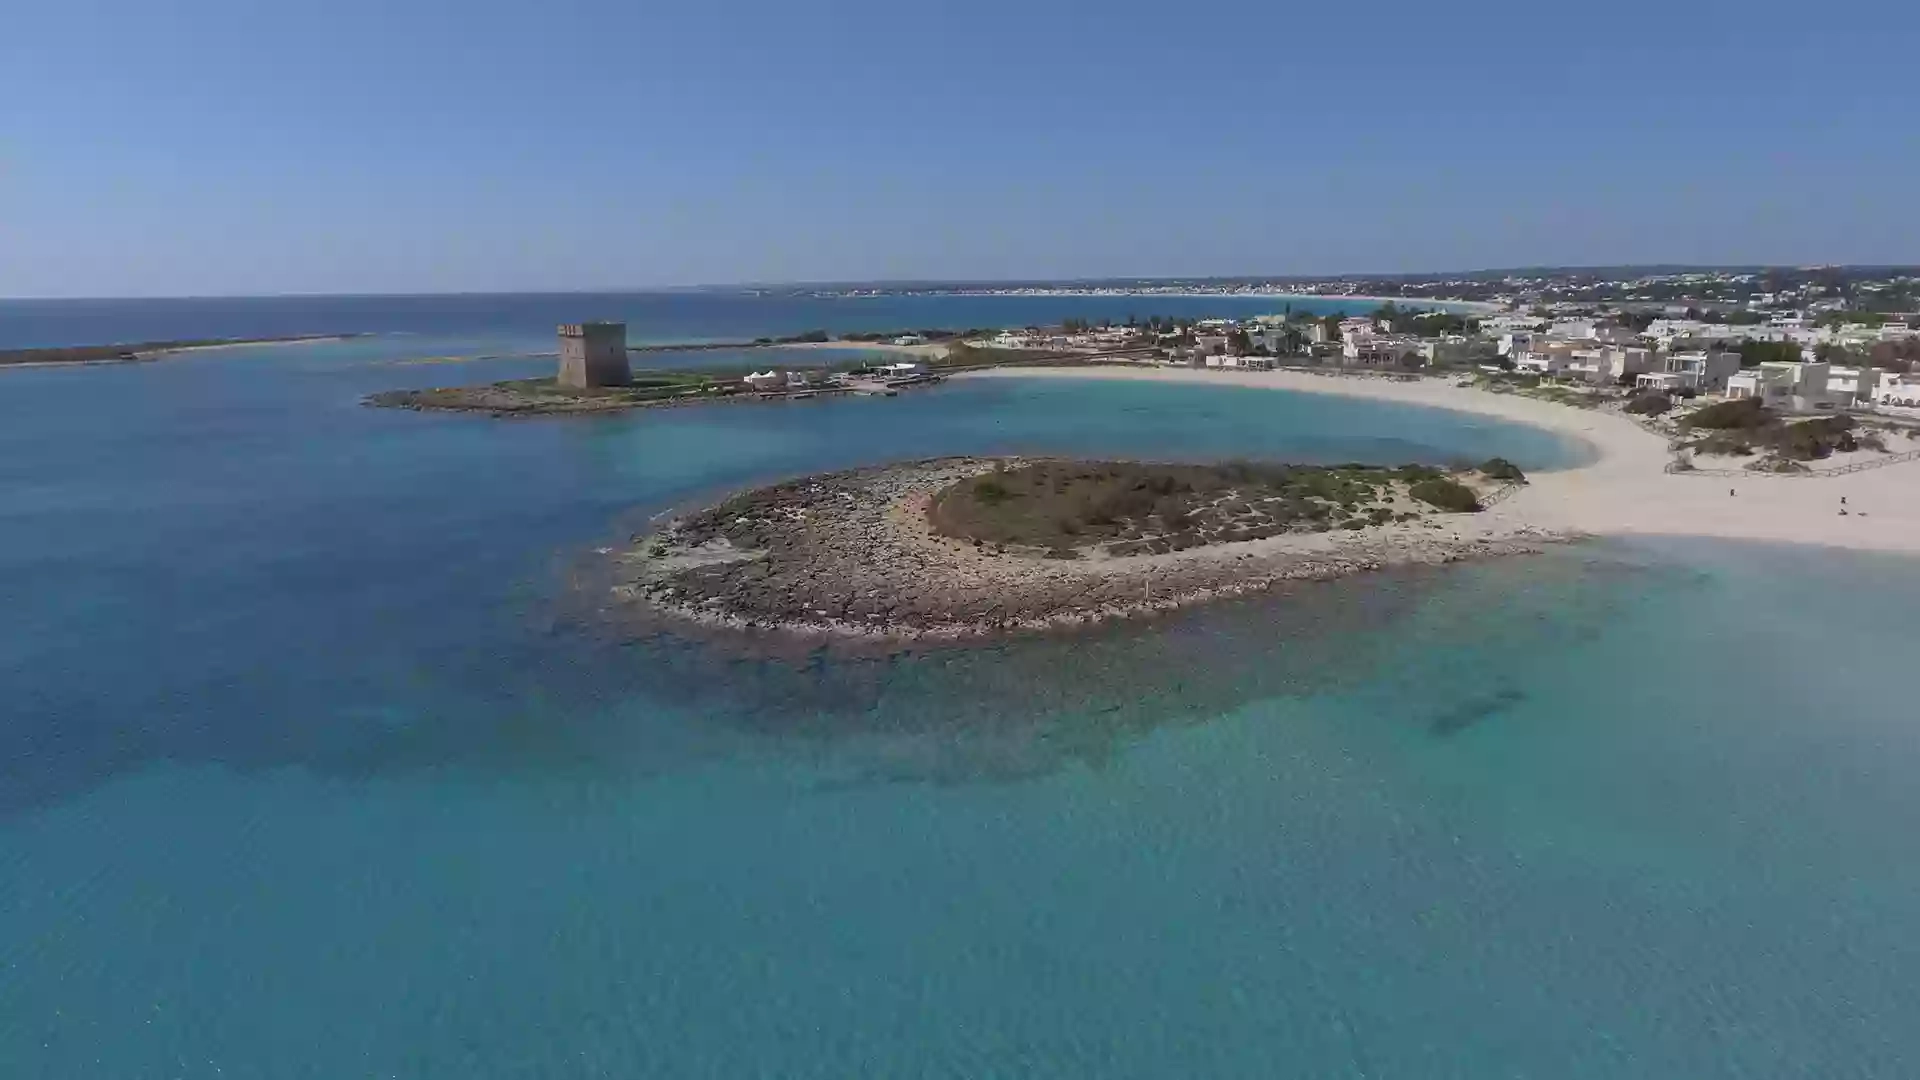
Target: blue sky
[211, 147]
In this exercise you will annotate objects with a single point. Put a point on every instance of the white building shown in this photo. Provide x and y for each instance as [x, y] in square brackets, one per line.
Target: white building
[1795, 386]
[1848, 385]
[1705, 372]
[1501, 325]
[1360, 327]
[766, 380]
[1271, 338]
[1379, 350]
[1606, 367]
[1899, 391]
[903, 369]
[1549, 357]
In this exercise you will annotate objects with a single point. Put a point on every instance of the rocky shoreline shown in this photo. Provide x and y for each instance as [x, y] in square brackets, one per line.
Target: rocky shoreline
[852, 555]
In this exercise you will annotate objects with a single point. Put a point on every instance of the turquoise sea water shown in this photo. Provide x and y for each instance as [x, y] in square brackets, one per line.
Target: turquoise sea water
[314, 764]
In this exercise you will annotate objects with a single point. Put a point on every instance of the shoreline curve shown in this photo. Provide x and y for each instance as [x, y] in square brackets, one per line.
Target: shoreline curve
[1624, 490]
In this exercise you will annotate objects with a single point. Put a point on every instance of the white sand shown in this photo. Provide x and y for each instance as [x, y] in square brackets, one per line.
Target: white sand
[1625, 491]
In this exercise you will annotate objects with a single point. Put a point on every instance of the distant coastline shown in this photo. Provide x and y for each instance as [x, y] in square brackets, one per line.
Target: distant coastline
[1474, 306]
[145, 351]
[1480, 307]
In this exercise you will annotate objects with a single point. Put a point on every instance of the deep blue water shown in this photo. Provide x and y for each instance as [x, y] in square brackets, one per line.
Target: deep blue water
[315, 762]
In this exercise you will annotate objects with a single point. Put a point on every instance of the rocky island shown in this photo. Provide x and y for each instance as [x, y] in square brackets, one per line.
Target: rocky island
[953, 548]
[547, 397]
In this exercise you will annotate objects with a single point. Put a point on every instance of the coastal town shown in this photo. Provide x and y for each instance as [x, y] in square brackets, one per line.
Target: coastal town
[1809, 346]
[1661, 397]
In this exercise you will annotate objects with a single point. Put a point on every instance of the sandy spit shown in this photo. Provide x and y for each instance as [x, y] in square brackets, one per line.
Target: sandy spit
[1624, 490]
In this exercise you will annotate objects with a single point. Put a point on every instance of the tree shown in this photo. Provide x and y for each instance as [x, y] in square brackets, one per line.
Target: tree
[1649, 404]
[1856, 318]
[1755, 353]
[1332, 324]
[1894, 355]
[1445, 494]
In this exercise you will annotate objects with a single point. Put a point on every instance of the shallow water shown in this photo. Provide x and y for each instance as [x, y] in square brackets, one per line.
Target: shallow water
[312, 766]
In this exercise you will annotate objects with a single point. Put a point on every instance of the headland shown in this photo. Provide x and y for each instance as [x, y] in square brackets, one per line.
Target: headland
[133, 352]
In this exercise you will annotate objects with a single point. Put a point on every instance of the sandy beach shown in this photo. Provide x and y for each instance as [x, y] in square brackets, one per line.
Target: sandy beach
[1624, 491]
[264, 343]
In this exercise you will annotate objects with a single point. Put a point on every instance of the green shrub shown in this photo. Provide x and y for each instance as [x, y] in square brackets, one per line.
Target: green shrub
[1809, 440]
[1728, 415]
[1449, 495]
[991, 491]
[1650, 404]
[1724, 442]
[1501, 469]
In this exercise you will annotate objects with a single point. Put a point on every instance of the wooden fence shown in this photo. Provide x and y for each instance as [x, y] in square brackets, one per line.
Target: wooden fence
[1678, 469]
[1502, 493]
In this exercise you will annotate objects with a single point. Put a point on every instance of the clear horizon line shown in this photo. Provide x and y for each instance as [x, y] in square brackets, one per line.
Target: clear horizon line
[1002, 282]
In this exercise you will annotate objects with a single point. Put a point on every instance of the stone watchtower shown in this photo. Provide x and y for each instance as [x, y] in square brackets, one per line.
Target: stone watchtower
[594, 354]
